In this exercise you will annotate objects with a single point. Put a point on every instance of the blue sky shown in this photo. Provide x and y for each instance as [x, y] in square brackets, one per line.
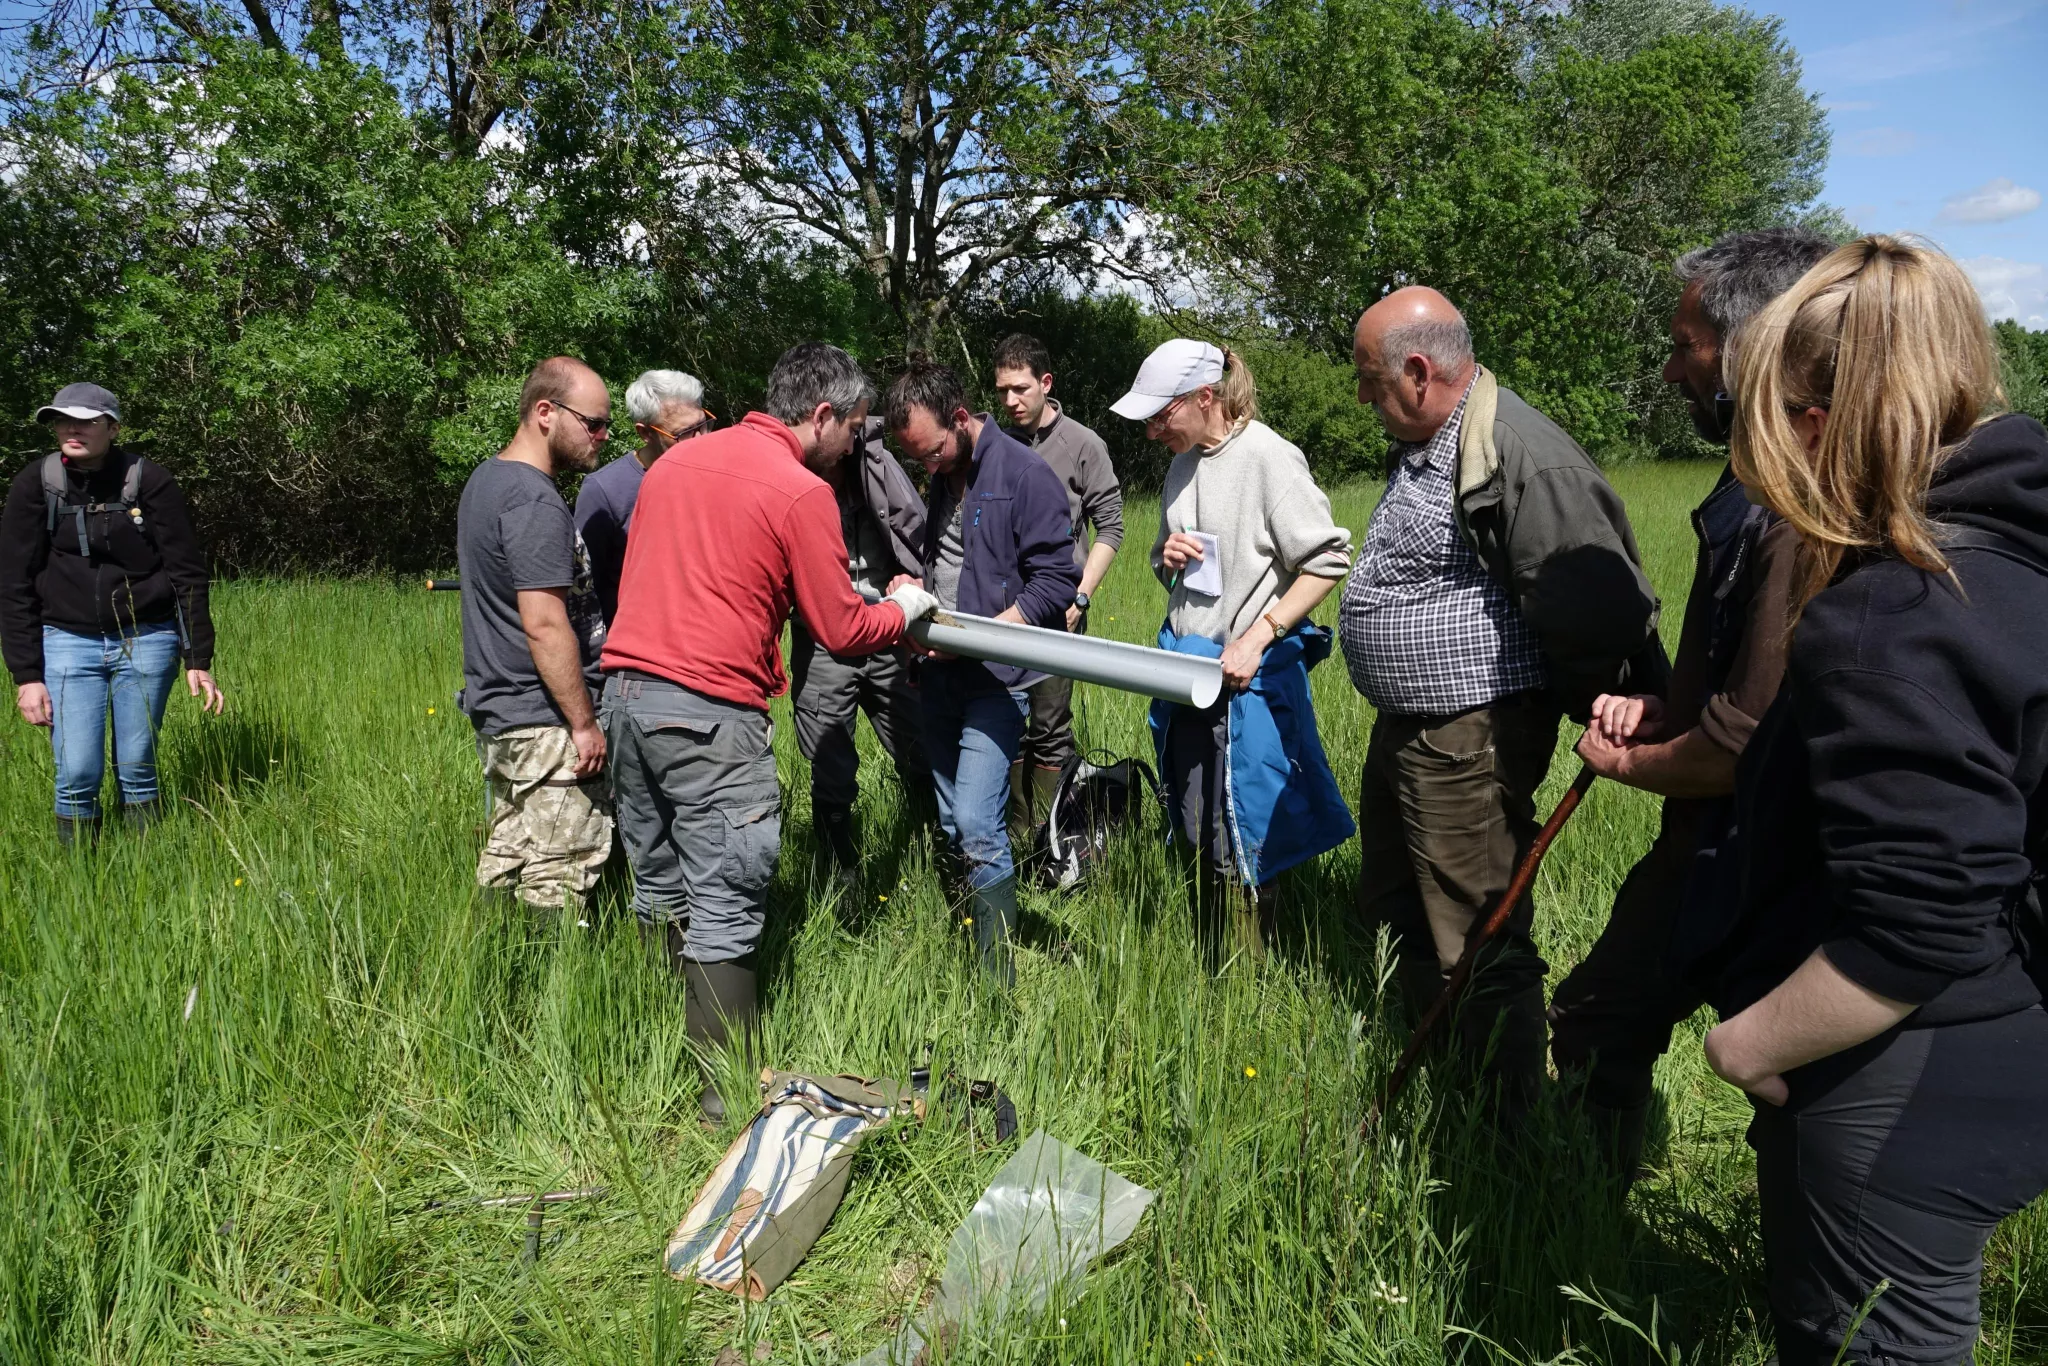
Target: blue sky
[1940, 119]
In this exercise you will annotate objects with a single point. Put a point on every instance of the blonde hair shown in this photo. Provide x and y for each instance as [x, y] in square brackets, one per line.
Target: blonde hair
[1236, 393]
[1888, 336]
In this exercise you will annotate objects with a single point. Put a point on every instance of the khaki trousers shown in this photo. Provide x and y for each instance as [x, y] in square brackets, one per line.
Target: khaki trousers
[549, 832]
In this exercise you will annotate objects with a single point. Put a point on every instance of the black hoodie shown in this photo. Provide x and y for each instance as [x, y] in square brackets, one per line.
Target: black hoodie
[1882, 806]
[128, 579]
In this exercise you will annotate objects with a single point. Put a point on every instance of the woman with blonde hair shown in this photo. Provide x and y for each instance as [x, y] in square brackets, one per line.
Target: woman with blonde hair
[1872, 973]
[1246, 550]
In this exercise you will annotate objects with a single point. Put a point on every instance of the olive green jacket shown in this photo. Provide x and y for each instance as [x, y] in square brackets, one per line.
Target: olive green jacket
[1553, 532]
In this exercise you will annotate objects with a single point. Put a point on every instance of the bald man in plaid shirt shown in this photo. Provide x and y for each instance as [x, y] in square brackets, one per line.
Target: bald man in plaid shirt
[1498, 587]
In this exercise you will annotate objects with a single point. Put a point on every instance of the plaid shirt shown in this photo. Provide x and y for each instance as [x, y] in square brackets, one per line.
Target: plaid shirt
[1425, 628]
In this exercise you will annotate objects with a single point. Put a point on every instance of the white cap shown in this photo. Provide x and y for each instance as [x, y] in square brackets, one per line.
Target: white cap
[1178, 367]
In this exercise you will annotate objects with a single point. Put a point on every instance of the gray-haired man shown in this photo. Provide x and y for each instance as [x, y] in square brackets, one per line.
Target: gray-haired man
[1611, 1018]
[1498, 585]
[667, 406]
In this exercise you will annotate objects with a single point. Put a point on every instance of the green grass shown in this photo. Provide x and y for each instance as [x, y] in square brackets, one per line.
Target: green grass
[237, 1063]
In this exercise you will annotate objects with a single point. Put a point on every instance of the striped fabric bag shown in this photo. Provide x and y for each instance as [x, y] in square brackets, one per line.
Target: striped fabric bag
[781, 1181]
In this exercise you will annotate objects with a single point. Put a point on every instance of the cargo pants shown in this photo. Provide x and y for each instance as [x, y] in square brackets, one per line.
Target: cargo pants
[550, 831]
[699, 810]
[827, 694]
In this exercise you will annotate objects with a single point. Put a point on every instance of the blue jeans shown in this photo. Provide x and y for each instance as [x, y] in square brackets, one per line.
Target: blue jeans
[89, 677]
[972, 730]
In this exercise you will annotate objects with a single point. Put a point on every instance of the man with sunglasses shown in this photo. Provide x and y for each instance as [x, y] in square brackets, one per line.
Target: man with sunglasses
[667, 406]
[531, 632]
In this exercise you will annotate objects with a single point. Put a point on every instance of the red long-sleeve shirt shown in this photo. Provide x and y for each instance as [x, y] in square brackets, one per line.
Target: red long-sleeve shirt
[730, 532]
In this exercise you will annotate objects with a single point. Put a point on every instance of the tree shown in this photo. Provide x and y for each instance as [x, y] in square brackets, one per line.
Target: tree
[939, 143]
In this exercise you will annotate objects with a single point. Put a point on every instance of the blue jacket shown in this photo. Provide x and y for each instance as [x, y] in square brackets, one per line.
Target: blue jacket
[1018, 536]
[1285, 806]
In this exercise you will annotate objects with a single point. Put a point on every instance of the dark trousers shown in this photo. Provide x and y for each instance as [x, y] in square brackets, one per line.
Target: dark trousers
[1446, 810]
[827, 694]
[1895, 1160]
[698, 808]
[1197, 744]
[1611, 1018]
[1049, 730]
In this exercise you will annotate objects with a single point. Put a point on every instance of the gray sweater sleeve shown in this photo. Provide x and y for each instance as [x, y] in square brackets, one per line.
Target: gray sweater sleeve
[1102, 499]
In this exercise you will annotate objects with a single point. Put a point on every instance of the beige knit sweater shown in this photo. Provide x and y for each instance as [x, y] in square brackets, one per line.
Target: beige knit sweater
[1254, 492]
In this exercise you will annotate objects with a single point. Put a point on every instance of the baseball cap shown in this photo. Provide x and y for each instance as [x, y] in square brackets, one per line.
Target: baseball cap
[81, 401]
[1178, 367]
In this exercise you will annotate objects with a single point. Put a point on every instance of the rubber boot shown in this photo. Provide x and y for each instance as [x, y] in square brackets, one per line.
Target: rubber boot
[140, 816]
[838, 849]
[995, 920]
[498, 900]
[1045, 785]
[1020, 809]
[718, 1001]
[78, 832]
[1618, 1135]
[1512, 1033]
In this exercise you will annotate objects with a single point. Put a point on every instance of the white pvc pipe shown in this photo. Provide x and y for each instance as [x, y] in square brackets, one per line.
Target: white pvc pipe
[1188, 679]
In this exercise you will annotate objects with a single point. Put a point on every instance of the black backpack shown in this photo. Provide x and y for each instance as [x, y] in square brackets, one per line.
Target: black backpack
[1091, 801]
[56, 489]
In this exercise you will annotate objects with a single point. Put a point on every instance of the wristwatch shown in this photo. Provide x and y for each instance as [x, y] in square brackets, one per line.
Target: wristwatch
[1279, 631]
[1081, 601]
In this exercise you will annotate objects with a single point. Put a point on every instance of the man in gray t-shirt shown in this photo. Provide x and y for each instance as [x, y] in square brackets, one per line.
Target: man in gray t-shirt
[530, 638]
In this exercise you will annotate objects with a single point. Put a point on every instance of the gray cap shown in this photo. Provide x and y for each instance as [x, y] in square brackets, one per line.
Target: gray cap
[81, 401]
[1177, 367]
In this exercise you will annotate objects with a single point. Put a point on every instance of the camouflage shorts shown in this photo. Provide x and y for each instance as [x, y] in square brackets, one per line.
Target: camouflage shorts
[550, 832]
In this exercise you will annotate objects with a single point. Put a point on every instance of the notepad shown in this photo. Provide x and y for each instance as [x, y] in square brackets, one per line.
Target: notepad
[1205, 576]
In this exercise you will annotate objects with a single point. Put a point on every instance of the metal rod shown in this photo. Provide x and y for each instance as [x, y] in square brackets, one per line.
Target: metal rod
[1187, 679]
[1462, 973]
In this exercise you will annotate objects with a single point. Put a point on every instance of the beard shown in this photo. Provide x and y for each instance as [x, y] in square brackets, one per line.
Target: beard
[573, 448]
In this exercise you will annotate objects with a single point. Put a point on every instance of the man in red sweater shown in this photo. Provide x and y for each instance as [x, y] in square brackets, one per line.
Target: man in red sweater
[732, 531]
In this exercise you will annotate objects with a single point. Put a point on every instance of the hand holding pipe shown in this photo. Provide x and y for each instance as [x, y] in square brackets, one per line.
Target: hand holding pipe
[1494, 923]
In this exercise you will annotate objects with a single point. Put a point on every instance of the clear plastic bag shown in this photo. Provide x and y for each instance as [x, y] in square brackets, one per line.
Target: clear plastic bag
[1047, 1214]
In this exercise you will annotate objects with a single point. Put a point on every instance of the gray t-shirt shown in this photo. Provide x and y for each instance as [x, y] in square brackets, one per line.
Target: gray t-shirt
[514, 532]
[945, 584]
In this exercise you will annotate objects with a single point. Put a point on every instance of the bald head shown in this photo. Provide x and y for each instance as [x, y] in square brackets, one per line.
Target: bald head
[1413, 354]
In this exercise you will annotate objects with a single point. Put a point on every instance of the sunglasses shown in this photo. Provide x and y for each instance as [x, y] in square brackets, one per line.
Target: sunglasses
[697, 428]
[596, 426]
[1159, 418]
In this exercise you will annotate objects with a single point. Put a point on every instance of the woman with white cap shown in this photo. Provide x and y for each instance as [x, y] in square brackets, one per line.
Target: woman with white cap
[1246, 550]
[102, 590]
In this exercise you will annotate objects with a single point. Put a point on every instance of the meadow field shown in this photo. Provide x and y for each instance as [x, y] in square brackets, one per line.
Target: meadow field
[256, 1070]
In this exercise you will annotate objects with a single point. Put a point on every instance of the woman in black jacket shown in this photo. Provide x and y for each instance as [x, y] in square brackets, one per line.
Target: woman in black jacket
[1875, 999]
[102, 591]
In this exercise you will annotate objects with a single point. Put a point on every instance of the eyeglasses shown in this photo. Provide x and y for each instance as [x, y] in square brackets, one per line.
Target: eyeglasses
[1159, 418]
[697, 428]
[596, 426]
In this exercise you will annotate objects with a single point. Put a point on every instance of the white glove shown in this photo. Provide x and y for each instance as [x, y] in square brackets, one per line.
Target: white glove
[914, 601]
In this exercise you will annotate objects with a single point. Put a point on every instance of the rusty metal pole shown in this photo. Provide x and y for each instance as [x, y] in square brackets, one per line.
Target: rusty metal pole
[1493, 924]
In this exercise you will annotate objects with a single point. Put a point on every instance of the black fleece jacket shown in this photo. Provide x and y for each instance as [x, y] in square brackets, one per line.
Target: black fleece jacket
[1883, 804]
[127, 580]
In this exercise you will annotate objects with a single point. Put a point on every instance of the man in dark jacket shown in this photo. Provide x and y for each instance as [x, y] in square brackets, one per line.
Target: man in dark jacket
[102, 592]
[1499, 584]
[1611, 1018]
[997, 543]
[882, 519]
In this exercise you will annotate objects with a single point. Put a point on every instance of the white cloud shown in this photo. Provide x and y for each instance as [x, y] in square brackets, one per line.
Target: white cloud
[2011, 289]
[1884, 142]
[1992, 202]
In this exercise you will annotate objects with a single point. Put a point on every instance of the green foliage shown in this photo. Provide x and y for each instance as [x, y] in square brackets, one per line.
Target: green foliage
[2023, 361]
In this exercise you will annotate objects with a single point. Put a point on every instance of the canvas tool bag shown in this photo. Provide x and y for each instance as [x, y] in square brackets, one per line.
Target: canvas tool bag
[781, 1181]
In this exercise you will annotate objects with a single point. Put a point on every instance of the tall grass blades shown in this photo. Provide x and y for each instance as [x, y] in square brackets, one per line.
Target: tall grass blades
[257, 1068]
